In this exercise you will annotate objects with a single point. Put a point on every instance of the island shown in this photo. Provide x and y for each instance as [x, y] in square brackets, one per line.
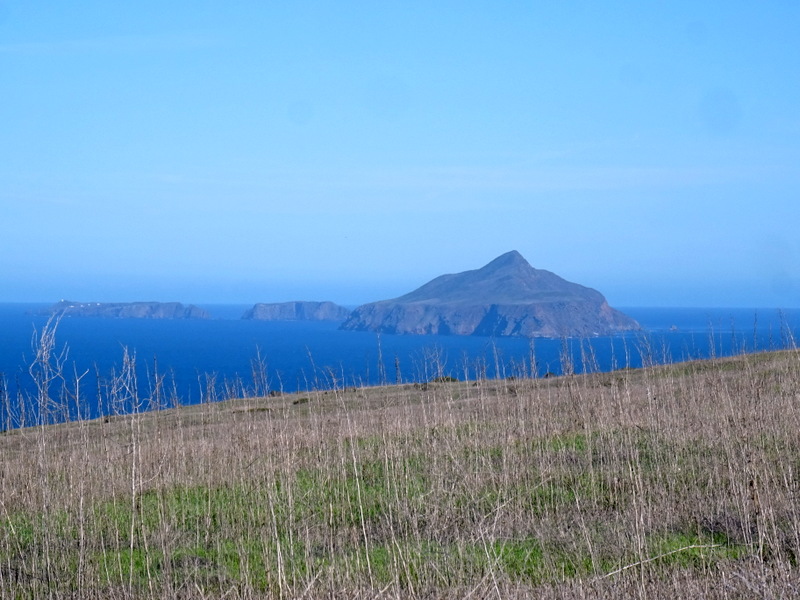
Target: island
[507, 297]
[127, 310]
[297, 311]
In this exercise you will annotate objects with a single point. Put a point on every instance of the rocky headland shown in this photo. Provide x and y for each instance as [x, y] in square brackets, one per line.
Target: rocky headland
[297, 311]
[507, 297]
[128, 310]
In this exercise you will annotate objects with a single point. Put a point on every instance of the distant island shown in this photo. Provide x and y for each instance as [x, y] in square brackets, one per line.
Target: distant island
[507, 297]
[127, 310]
[297, 311]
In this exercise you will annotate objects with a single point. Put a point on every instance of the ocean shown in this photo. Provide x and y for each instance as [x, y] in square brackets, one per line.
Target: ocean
[163, 363]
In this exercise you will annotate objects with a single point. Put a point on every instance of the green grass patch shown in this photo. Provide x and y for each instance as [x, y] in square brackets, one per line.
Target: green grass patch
[689, 550]
[362, 491]
[575, 442]
[126, 565]
[21, 529]
[197, 512]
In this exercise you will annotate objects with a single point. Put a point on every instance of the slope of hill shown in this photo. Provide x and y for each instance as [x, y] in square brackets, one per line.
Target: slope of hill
[675, 481]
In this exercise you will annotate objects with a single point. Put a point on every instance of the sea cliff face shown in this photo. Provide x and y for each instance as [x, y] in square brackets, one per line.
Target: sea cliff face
[128, 310]
[507, 297]
[297, 311]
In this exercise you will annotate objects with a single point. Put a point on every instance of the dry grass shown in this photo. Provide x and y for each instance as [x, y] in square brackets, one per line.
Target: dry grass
[671, 481]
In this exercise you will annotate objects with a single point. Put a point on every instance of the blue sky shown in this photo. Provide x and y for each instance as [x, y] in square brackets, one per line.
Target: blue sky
[348, 151]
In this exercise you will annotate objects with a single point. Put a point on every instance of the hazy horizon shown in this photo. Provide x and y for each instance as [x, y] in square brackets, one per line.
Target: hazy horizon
[237, 153]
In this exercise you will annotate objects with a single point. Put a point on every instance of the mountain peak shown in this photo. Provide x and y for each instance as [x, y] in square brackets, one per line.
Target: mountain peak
[510, 259]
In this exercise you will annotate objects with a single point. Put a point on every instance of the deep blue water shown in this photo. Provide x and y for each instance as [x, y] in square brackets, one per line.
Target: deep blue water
[207, 360]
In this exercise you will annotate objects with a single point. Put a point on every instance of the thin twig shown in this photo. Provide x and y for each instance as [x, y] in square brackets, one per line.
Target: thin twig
[649, 560]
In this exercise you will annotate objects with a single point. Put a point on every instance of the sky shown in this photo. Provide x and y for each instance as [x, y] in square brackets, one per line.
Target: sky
[242, 152]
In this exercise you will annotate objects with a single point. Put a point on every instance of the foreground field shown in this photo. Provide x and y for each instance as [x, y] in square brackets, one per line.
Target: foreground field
[673, 481]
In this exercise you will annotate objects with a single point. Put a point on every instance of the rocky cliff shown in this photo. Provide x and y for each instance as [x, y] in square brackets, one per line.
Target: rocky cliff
[507, 297]
[297, 311]
[128, 310]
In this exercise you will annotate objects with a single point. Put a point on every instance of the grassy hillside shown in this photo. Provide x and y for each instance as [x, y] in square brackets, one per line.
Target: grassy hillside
[674, 481]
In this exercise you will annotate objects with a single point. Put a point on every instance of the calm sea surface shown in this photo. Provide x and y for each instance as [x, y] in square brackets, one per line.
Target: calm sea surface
[206, 360]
